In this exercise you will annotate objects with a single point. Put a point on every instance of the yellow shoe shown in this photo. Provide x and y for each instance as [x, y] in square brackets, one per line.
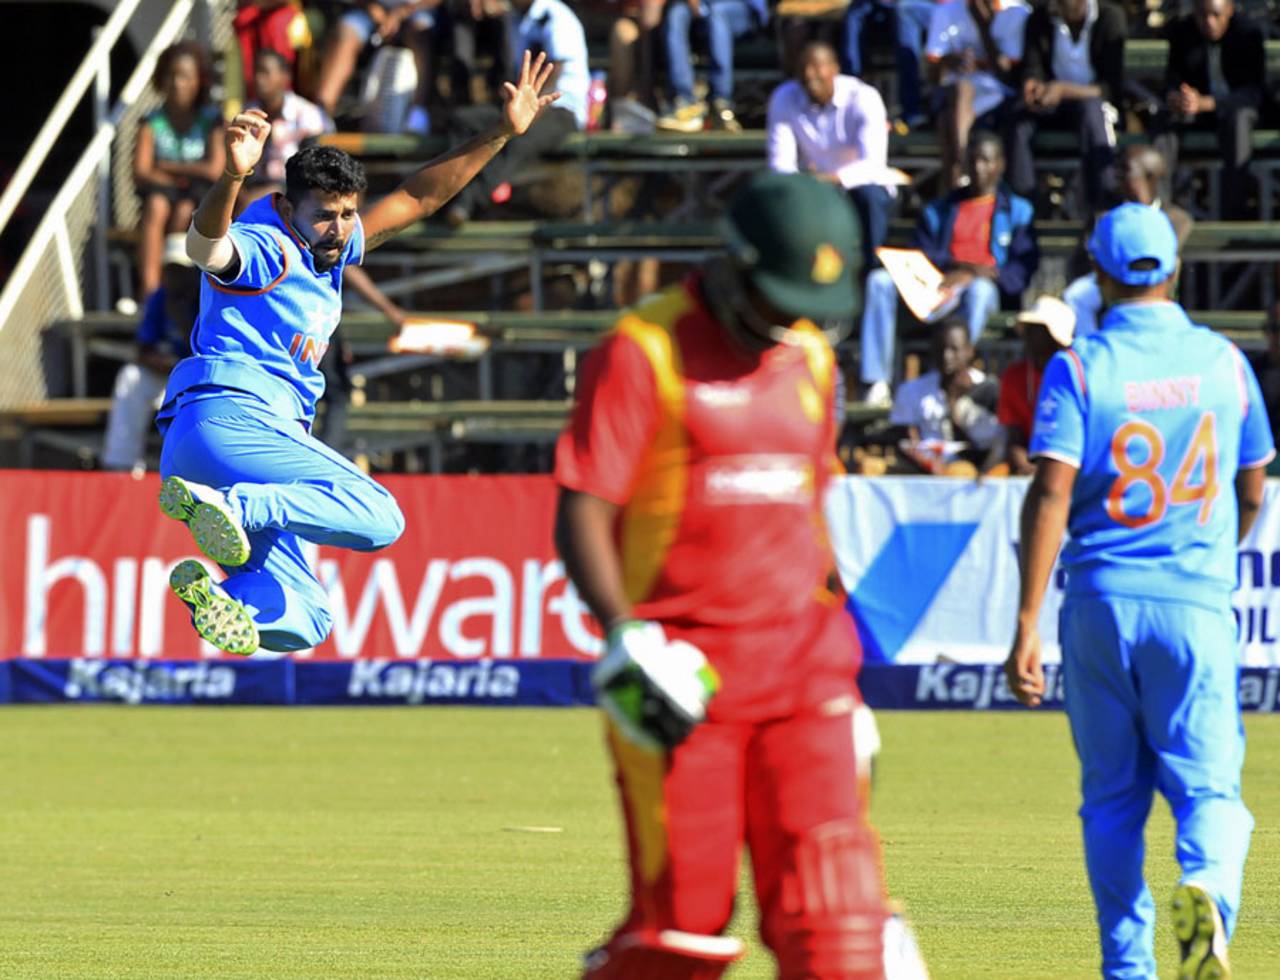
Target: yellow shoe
[207, 515]
[218, 618]
[686, 117]
[1202, 938]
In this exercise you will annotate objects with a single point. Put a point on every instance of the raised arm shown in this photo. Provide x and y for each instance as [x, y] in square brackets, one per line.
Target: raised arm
[207, 243]
[426, 191]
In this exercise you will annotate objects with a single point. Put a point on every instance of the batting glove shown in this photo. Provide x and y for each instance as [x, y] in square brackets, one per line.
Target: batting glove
[654, 689]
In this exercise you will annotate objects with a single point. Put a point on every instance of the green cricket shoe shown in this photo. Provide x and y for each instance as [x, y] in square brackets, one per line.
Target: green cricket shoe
[1202, 938]
[218, 618]
[206, 513]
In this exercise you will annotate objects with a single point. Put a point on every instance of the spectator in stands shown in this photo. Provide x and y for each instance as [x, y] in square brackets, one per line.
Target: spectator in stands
[981, 236]
[269, 25]
[1142, 174]
[405, 22]
[724, 22]
[1047, 328]
[974, 49]
[163, 339]
[1072, 78]
[631, 27]
[948, 413]
[1215, 80]
[908, 21]
[178, 154]
[544, 27]
[475, 28]
[292, 118]
[835, 127]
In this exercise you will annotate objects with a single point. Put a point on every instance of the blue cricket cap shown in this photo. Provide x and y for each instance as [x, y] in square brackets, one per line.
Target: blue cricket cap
[1135, 244]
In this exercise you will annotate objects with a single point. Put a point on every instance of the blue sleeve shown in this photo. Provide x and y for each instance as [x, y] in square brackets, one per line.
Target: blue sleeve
[564, 39]
[929, 237]
[261, 257]
[151, 328]
[1058, 429]
[1023, 258]
[1257, 446]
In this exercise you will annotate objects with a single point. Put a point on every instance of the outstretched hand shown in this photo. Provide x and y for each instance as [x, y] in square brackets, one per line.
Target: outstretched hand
[245, 138]
[524, 100]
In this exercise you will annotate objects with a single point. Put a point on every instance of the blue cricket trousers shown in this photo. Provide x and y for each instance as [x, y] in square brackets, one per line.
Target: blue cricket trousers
[1151, 693]
[288, 487]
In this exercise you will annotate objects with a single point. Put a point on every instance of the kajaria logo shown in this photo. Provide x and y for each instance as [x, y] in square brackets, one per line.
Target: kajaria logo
[415, 682]
[139, 682]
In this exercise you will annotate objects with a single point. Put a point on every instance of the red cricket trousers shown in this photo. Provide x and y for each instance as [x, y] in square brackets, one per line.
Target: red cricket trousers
[786, 788]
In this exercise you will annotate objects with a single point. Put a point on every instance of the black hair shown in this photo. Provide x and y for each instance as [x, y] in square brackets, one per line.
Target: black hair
[185, 49]
[947, 324]
[981, 137]
[322, 168]
[281, 61]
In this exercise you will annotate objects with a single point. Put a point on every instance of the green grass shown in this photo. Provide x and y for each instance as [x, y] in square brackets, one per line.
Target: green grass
[378, 843]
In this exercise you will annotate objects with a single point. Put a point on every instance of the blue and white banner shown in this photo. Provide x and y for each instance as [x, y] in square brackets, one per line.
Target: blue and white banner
[555, 683]
[931, 568]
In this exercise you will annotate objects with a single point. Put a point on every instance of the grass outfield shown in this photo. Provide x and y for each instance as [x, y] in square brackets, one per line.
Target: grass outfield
[382, 842]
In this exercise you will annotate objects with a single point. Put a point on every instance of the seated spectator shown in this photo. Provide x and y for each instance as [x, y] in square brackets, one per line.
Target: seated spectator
[178, 154]
[1215, 80]
[293, 119]
[630, 27]
[981, 236]
[1142, 174]
[477, 31]
[544, 27]
[1047, 328]
[834, 127]
[163, 339]
[973, 50]
[947, 417]
[269, 25]
[723, 21]
[1072, 79]
[908, 21]
[405, 22]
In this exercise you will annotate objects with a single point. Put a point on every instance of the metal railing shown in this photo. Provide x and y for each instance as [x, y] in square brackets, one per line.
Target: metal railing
[47, 284]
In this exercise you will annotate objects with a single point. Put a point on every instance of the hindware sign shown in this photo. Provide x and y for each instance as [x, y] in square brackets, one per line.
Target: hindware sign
[88, 557]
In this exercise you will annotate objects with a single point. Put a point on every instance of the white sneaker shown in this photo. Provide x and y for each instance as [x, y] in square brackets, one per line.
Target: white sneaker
[205, 511]
[878, 394]
[418, 121]
[1202, 938]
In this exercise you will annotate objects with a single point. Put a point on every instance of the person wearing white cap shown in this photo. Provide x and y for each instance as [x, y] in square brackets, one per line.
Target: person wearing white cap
[163, 338]
[1152, 439]
[1047, 328]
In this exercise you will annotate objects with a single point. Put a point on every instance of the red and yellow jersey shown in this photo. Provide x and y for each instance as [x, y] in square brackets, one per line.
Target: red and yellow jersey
[717, 458]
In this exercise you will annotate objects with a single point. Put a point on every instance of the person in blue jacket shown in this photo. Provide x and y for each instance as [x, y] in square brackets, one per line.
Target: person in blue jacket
[981, 236]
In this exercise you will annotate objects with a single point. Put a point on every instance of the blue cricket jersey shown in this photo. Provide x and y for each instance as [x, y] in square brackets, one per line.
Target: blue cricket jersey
[1158, 414]
[264, 332]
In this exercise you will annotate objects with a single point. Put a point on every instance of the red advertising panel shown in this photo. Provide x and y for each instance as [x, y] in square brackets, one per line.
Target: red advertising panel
[87, 560]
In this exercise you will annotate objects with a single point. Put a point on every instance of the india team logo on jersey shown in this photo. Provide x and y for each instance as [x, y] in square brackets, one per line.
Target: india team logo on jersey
[308, 346]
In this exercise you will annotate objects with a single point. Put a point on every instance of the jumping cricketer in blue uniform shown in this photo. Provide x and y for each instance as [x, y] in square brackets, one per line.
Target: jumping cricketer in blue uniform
[239, 465]
[1151, 439]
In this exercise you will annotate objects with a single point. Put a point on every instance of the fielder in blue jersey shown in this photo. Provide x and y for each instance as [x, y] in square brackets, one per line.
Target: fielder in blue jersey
[240, 467]
[1151, 439]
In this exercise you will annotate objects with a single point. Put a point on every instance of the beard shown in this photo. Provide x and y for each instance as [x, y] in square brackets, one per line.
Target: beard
[323, 258]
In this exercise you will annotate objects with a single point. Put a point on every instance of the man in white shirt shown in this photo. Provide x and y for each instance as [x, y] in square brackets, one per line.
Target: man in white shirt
[973, 50]
[835, 127]
[949, 413]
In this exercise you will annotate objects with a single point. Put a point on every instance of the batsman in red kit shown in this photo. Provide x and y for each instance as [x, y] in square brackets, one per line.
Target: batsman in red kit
[690, 519]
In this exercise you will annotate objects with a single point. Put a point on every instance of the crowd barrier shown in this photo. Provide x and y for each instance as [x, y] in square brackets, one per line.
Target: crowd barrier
[527, 683]
[471, 605]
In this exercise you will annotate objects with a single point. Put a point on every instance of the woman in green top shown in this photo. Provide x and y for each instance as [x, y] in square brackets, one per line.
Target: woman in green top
[179, 153]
